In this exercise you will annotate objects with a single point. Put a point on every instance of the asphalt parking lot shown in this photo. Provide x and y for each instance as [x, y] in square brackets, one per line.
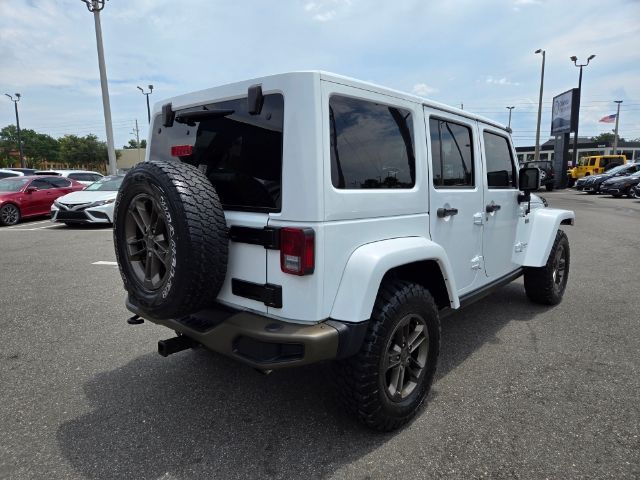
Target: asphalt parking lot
[522, 391]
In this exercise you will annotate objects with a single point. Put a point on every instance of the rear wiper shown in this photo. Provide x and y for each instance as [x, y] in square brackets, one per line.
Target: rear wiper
[191, 117]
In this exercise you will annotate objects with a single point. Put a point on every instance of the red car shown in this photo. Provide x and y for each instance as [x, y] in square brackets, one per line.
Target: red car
[22, 197]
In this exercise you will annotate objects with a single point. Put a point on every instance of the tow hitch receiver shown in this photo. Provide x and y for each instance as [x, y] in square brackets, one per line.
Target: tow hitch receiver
[175, 345]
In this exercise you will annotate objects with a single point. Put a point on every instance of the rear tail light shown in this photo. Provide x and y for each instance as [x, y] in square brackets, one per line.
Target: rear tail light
[297, 251]
[181, 150]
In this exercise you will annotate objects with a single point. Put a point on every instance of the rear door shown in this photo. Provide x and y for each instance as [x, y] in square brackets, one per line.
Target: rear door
[241, 153]
[501, 206]
[456, 218]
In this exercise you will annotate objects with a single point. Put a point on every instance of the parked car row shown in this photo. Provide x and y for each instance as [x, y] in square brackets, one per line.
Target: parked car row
[618, 181]
[83, 176]
[65, 198]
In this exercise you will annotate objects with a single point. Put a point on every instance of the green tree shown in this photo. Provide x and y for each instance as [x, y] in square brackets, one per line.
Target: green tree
[606, 137]
[37, 147]
[87, 150]
[133, 144]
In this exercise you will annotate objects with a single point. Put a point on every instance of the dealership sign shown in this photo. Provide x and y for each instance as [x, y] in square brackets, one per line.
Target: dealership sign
[564, 117]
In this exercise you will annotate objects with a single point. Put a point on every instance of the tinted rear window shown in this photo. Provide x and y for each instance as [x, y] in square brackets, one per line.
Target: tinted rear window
[241, 153]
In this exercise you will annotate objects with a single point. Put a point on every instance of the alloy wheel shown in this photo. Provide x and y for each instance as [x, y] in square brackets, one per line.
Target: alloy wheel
[406, 357]
[9, 214]
[147, 241]
[559, 268]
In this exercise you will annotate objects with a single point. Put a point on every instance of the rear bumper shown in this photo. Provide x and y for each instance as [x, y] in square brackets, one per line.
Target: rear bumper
[263, 342]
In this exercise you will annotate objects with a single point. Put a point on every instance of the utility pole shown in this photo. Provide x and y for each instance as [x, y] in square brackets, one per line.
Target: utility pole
[137, 133]
[615, 135]
[536, 155]
[15, 104]
[574, 59]
[147, 95]
[510, 108]
[95, 7]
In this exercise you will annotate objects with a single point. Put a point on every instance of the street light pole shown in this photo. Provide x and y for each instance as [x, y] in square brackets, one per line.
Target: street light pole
[575, 137]
[95, 6]
[15, 104]
[615, 137]
[147, 95]
[510, 108]
[536, 155]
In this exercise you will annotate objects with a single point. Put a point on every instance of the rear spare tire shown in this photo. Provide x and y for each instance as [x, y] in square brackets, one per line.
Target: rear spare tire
[170, 238]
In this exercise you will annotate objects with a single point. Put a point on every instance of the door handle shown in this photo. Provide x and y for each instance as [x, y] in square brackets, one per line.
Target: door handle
[493, 207]
[446, 212]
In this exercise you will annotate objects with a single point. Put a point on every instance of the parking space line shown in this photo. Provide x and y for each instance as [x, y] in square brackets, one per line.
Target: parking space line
[29, 224]
[103, 262]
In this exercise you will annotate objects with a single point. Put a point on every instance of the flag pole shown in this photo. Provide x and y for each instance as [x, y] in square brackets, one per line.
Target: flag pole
[615, 135]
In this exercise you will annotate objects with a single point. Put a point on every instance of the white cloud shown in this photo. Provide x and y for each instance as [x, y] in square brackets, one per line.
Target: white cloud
[325, 10]
[423, 90]
[500, 81]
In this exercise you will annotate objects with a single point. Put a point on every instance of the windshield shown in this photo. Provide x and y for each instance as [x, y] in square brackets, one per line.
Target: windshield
[583, 162]
[13, 184]
[106, 184]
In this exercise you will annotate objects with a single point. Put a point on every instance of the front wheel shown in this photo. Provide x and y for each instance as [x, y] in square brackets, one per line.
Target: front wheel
[9, 214]
[546, 284]
[385, 384]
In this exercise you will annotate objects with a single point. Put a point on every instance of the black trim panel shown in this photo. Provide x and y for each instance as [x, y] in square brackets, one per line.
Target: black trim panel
[268, 293]
[350, 337]
[268, 237]
[482, 292]
[487, 289]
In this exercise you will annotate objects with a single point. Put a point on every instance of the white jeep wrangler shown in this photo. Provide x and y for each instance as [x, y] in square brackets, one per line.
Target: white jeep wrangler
[307, 216]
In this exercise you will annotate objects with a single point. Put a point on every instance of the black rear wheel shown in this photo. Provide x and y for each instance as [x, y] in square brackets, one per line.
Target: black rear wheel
[385, 384]
[9, 214]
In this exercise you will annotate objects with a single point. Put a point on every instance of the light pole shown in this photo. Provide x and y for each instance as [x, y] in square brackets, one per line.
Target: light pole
[95, 6]
[574, 59]
[146, 94]
[15, 104]
[536, 155]
[510, 108]
[615, 135]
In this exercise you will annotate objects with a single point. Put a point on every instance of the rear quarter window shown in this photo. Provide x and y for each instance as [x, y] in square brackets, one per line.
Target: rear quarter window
[372, 145]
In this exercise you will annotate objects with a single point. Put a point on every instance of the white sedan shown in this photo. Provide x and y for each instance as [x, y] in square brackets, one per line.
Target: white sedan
[94, 204]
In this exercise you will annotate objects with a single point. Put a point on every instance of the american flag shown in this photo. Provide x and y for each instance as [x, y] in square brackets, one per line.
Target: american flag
[608, 118]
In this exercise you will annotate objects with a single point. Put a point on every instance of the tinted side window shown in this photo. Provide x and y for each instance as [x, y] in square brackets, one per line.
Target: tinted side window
[60, 182]
[500, 170]
[95, 177]
[5, 175]
[451, 154]
[41, 184]
[371, 145]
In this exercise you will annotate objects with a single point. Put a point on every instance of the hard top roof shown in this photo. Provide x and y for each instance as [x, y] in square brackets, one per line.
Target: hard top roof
[341, 79]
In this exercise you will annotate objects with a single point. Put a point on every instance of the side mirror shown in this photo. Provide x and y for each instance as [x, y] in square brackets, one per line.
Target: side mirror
[529, 179]
[31, 190]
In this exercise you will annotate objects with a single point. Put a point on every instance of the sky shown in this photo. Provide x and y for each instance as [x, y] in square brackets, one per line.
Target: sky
[475, 53]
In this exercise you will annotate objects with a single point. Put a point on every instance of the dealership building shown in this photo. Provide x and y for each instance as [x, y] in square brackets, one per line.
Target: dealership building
[586, 148]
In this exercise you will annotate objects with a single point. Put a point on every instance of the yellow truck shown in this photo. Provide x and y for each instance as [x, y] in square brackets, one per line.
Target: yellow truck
[594, 165]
